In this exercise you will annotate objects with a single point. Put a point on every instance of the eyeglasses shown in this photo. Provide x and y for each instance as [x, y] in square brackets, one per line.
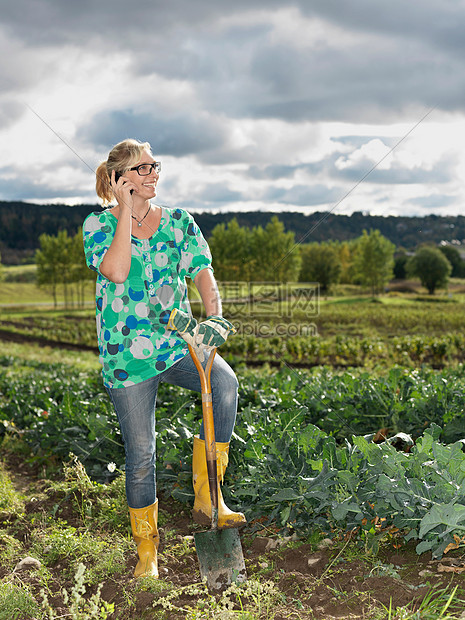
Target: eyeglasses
[146, 169]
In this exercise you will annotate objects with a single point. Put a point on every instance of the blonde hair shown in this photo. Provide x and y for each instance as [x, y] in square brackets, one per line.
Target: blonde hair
[122, 156]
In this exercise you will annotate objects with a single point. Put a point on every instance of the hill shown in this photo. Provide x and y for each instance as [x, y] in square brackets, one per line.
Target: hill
[22, 223]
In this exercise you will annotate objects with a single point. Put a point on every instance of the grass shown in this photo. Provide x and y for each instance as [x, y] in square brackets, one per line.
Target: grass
[81, 552]
[19, 273]
[17, 601]
[18, 288]
[353, 313]
[81, 360]
[10, 500]
[28, 294]
[347, 332]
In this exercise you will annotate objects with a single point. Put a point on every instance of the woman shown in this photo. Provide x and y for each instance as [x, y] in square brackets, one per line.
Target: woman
[142, 254]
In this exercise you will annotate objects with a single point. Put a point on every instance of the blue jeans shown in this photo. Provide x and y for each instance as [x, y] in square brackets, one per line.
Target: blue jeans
[135, 408]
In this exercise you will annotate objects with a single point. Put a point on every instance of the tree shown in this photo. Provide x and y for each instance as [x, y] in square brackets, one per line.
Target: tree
[374, 260]
[81, 275]
[60, 263]
[455, 259]
[260, 254]
[431, 266]
[346, 251]
[275, 255]
[400, 262]
[48, 275]
[320, 263]
[230, 246]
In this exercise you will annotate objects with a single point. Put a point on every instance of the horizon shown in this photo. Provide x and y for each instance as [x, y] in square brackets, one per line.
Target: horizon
[242, 212]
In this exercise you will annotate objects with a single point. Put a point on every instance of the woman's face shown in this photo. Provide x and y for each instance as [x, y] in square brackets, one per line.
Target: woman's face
[145, 185]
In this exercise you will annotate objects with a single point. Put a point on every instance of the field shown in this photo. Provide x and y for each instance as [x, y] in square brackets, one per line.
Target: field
[347, 461]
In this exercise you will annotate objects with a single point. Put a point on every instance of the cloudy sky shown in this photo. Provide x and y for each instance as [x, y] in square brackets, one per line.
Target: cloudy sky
[308, 105]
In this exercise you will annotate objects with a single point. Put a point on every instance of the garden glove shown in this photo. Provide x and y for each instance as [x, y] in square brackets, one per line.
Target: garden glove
[214, 331]
[187, 327]
[184, 324]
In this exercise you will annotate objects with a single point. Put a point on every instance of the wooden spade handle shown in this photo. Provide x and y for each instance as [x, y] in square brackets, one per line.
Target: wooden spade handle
[209, 429]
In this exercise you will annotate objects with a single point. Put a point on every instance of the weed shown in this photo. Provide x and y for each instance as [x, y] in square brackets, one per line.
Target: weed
[384, 570]
[98, 505]
[260, 597]
[434, 606]
[9, 549]
[110, 561]
[10, 499]
[79, 607]
[17, 601]
[111, 509]
[68, 546]
[147, 583]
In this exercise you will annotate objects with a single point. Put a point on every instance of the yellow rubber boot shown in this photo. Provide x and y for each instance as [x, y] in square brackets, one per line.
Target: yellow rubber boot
[202, 512]
[144, 530]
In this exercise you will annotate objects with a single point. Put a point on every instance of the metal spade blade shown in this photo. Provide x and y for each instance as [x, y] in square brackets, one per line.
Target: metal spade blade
[220, 557]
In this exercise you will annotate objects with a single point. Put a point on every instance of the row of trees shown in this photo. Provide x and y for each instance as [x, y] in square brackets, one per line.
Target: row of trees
[61, 265]
[240, 253]
[372, 260]
[368, 260]
[269, 254]
[260, 254]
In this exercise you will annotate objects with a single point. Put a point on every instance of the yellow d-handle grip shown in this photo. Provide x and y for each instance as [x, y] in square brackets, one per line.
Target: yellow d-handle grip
[209, 429]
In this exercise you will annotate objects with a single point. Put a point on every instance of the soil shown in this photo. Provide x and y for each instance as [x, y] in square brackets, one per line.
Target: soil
[333, 580]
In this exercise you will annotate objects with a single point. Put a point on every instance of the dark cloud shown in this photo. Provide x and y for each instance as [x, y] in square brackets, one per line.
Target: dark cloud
[435, 202]
[355, 142]
[338, 166]
[120, 23]
[218, 192]
[402, 56]
[176, 135]
[10, 112]
[439, 22]
[398, 174]
[272, 172]
[359, 84]
[303, 195]
[20, 188]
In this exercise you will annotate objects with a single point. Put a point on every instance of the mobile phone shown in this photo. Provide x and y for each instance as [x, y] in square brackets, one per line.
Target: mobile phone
[117, 176]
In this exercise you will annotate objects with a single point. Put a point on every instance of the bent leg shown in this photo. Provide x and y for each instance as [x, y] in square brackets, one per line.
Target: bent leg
[224, 391]
[224, 394]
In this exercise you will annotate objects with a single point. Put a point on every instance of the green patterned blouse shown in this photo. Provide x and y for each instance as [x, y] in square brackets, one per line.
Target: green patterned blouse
[133, 341]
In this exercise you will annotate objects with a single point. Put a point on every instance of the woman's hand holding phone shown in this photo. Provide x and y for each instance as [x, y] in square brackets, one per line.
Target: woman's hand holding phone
[120, 186]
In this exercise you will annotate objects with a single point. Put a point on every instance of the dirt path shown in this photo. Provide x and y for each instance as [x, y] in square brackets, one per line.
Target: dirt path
[9, 336]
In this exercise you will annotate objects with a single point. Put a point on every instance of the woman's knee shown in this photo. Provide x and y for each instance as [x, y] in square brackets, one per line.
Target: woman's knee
[225, 380]
[225, 390]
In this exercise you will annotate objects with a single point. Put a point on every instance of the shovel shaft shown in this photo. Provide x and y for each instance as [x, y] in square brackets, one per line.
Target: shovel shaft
[209, 429]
